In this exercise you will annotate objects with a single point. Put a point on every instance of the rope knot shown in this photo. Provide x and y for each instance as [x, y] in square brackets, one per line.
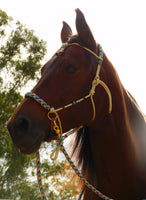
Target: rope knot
[92, 91]
[95, 81]
[55, 152]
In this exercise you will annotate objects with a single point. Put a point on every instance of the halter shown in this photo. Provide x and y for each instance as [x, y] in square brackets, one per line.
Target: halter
[56, 122]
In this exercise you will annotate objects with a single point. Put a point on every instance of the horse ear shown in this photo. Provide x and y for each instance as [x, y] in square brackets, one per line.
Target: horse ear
[66, 32]
[84, 32]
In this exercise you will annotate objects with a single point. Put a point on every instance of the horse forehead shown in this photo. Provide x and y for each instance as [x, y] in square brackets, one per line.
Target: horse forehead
[75, 51]
[69, 54]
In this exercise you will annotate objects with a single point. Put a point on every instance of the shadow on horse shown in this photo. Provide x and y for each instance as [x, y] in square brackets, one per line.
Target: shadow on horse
[110, 148]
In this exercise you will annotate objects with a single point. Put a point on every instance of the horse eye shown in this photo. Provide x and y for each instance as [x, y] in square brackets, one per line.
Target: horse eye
[70, 69]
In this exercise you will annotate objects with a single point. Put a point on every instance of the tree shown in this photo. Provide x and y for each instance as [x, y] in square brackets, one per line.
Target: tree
[21, 53]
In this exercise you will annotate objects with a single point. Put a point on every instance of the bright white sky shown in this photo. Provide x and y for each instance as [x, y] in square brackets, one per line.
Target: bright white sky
[118, 25]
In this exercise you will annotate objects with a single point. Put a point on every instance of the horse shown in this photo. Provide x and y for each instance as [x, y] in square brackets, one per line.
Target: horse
[109, 147]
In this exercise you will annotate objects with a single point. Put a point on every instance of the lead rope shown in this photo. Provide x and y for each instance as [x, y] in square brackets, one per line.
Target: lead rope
[59, 143]
[39, 178]
[57, 126]
[60, 146]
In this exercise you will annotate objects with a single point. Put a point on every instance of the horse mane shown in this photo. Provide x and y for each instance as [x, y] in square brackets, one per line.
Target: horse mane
[82, 154]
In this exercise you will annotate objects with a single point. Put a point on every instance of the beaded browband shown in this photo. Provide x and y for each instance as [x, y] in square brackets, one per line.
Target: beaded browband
[56, 122]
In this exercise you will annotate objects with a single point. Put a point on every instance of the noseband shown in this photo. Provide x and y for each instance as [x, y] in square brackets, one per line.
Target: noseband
[55, 120]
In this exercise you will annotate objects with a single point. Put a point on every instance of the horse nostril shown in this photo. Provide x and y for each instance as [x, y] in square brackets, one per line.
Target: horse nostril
[21, 126]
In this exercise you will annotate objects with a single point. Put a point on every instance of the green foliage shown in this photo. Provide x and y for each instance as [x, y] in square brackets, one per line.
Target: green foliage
[21, 53]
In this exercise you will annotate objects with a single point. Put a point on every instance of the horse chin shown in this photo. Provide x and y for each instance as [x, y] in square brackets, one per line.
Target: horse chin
[30, 149]
[33, 148]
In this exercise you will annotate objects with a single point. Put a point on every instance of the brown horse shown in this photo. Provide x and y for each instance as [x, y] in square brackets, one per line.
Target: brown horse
[111, 149]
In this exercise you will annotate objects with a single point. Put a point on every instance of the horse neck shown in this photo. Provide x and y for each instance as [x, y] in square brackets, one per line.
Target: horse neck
[127, 121]
[114, 137]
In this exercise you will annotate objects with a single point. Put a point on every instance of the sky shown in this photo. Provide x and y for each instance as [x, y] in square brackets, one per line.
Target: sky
[118, 25]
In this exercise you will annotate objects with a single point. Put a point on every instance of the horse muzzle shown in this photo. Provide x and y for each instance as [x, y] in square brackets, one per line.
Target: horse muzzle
[26, 135]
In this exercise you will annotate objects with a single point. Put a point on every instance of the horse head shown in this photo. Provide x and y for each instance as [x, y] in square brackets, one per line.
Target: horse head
[66, 77]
